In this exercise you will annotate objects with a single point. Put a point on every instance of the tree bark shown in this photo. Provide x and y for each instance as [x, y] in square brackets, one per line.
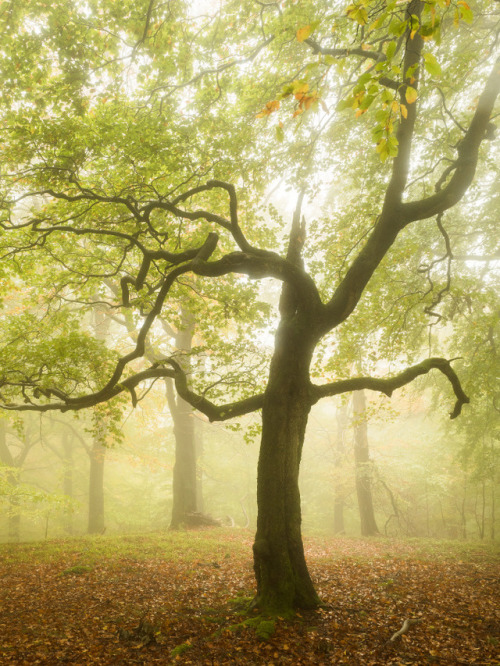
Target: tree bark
[283, 581]
[362, 462]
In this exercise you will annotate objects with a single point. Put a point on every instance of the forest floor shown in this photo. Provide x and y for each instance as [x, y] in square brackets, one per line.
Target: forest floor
[177, 598]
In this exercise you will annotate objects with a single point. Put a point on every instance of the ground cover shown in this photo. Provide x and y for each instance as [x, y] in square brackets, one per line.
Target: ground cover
[179, 598]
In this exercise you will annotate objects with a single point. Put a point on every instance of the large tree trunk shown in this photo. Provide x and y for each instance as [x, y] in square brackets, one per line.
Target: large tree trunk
[96, 488]
[283, 581]
[363, 466]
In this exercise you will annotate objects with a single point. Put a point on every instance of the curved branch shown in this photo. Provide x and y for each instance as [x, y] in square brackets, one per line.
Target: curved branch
[231, 225]
[468, 152]
[376, 56]
[390, 384]
[212, 411]
[397, 214]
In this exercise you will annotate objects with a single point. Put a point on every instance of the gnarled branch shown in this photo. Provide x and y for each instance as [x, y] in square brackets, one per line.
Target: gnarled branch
[390, 384]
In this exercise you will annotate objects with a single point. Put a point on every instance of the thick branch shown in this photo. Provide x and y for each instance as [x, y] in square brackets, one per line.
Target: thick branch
[396, 214]
[468, 152]
[212, 411]
[390, 384]
[406, 127]
[92, 399]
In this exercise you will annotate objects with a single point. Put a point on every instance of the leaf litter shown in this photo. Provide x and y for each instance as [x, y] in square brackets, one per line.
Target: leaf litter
[186, 607]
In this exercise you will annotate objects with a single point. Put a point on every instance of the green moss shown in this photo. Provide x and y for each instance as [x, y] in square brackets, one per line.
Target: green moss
[77, 570]
[180, 649]
[264, 627]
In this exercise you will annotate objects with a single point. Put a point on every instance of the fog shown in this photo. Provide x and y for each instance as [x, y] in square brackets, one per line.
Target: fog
[423, 477]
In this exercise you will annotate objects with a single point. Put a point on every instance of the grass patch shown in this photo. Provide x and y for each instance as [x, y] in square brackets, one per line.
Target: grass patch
[185, 546]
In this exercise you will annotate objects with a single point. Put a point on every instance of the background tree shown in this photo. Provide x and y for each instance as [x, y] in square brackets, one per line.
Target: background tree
[363, 465]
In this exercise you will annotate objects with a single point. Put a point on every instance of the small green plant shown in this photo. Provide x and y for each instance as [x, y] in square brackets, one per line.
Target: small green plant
[180, 649]
[264, 627]
[77, 570]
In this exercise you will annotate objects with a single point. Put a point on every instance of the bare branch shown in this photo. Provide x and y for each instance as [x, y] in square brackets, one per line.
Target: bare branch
[390, 384]
[377, 56]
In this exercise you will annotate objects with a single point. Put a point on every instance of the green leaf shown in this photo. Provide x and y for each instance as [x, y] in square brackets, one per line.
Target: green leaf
[432, 65]
[410, 95]
[391, 50]
[358, 14]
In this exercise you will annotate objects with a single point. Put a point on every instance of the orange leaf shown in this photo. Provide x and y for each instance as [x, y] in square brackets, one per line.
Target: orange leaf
[303, 33]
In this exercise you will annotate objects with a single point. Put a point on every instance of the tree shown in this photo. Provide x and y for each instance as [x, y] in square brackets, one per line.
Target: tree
[121, 193]
[363, 466]
[13, 459]
[339, 499]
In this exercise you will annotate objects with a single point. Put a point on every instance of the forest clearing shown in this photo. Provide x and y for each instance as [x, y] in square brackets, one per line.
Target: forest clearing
[179, 598]
[249, 291]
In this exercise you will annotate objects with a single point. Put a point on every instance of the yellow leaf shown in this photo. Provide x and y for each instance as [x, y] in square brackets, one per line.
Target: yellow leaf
[303, 33]
[410, 94]
[395, 106]
[404, 111]
[300, 88]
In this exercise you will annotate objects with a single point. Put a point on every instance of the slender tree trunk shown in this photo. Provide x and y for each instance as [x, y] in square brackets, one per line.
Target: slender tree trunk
[198, 448]
[339, 500]
[184, 474]
[283, 581]
[96, 488]
[97, 453]
[187, 504]
[362, 462]
[462, 515]
[68, 465]
[14, 514]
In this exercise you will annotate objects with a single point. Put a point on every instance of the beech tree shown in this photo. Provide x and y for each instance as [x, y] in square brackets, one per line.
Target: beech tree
[144, 138]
